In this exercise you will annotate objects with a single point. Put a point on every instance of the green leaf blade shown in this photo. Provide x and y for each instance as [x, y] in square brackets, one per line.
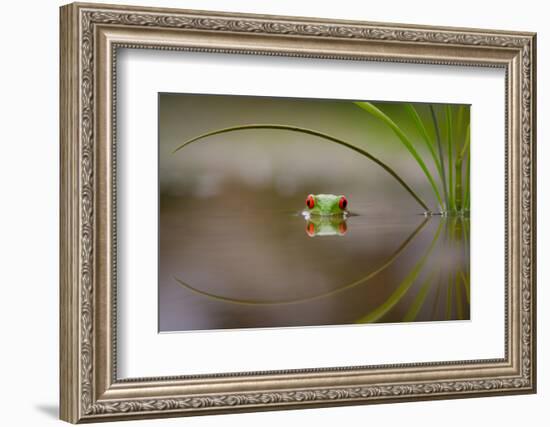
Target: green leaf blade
[369, 107]
[321, 135]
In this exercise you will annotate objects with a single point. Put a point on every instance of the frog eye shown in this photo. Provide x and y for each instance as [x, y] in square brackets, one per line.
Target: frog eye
[342, 228]
[310, 229]
[343, 203]
[310, 201]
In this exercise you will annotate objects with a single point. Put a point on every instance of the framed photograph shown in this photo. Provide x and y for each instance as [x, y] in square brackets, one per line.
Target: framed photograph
[265, 212]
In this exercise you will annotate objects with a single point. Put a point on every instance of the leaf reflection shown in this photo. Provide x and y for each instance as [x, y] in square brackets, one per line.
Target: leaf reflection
[388, 262]
[456, 279]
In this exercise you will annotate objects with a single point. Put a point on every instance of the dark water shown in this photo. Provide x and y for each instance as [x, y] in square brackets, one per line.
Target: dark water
[250, 262]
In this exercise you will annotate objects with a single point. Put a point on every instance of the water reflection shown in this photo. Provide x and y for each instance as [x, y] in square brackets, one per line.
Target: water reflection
[335, 223]
[325, 225]
[223, 270]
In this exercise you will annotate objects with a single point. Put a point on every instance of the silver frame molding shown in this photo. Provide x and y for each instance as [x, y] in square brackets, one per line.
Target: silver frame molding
[90, 37]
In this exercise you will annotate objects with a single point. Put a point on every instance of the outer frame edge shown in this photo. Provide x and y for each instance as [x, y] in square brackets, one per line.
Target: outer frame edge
[69, 324]
[68, 229]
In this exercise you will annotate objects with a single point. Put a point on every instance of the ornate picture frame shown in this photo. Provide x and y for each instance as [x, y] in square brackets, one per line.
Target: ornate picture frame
[90, 37]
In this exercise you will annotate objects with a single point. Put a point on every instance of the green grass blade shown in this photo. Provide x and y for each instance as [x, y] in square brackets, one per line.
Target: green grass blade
[314, 133]
[437, 294]
[466, 284]
[460, 123]
[427, 139]
[458, 167]
[367, 106]
[458, 186]
[466, 143]
[467, 185]
[440, 152]
[466, 244]
[402, 289]
[410, 315]
[459, 308]
[460, 135]
[450, 142]
[424, 133]
[449, 306]
[460, 142]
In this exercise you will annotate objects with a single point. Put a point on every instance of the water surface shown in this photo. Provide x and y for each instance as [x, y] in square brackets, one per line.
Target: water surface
[247, 264]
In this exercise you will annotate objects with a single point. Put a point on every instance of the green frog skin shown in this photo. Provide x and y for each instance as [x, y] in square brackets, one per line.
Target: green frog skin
[326, 225]
[326, 204]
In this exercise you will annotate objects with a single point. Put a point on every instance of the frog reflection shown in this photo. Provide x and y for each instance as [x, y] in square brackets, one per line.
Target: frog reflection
[326, 215]
[326, 226]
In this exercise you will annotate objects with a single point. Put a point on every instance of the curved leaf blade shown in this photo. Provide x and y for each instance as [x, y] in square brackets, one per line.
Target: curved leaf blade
[367, 106]
[365, 153]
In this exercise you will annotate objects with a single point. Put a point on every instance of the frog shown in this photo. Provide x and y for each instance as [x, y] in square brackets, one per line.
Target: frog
[326, 205]
[326, 215]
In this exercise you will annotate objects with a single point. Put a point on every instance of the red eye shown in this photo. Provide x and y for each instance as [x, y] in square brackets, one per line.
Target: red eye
[310, 201]
[310, 229]
[342, 228]
[343, 203]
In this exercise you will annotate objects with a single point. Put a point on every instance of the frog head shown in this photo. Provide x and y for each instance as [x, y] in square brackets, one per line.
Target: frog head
[326, 204]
